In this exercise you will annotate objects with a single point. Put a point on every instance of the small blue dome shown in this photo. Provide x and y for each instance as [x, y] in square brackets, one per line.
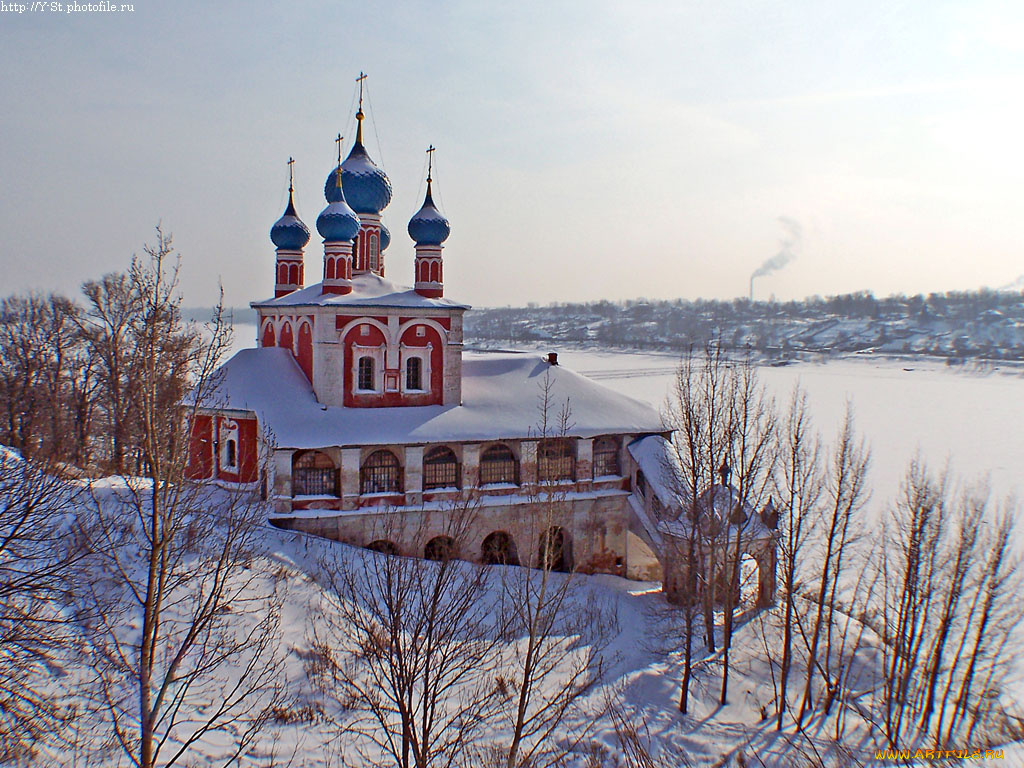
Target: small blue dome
[366, 186]
[428, 226]
[337, 222]
[288, 232]
[385, 237]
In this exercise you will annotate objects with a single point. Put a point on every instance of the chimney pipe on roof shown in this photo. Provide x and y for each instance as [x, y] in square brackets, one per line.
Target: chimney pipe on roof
[553, 358]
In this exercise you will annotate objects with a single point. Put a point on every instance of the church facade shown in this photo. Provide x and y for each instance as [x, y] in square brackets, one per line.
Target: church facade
[357, 409]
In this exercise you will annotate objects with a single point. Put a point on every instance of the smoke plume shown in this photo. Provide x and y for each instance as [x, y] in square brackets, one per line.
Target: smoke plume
[788, 247]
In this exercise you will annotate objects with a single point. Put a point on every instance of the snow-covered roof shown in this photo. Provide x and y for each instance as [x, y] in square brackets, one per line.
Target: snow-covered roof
[660, 465]
[500, 400]
[368, 290]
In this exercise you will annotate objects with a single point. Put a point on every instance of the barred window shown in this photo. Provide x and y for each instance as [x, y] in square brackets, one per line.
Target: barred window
[380, 473]
[414, 373]
[606, 457]
[499, 465]
[366, 373]
[440, 469]
[556, 460]
[314, 474]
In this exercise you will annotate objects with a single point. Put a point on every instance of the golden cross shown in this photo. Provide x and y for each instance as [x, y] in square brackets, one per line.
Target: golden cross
[430, 159]
[362, 76]
[338, 142]
[291, 162]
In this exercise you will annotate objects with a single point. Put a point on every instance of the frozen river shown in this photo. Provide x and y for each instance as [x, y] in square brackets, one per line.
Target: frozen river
[972, 417]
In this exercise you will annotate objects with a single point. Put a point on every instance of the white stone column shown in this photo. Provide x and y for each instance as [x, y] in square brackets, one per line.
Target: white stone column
[471, 465]
[282, 488]
[350, 463]
[413, 475]
[585, 464]
[528, 464]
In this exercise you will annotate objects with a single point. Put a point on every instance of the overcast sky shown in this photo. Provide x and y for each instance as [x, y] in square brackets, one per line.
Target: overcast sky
[586, 150]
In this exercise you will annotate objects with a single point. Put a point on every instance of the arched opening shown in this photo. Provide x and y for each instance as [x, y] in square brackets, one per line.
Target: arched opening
[440, 469]
[268, 335]
[329, 274]
[640, 484]
[380, 473]
[366, 374]
[440, 548]
[499, 465]
[606, 457]
[556, 460]
[282, 273]
[293, 274]
[435, 272]
[383, 546]
[499, 549]
[314, 474]
[414, 373]
[287, 340]
[553, 552]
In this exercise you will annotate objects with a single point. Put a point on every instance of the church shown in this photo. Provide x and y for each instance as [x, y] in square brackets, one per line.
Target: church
[358, 406]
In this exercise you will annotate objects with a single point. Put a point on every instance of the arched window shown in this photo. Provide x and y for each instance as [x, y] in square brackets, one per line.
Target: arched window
[499, 549]
[355, 252]
[556, 460]
[606, 457]
[373, 253]
[380, 473]
[231, 454]
[414, 373]
[641, 483]
[383, 546]
[366, 377]
[314, 474]
[499, 465]
[440, 469]
[553, 550]
[440, 548]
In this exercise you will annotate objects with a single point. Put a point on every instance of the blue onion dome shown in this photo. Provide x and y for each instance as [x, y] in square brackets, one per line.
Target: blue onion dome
[428, 226]
[337, 222]
[288, 232]
[367, 188]
[385, 237]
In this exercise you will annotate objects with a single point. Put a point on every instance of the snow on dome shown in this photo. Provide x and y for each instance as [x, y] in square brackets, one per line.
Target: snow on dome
[366, 186]
[428, 226]
[337, 222]
[288, 232]
[499, 401]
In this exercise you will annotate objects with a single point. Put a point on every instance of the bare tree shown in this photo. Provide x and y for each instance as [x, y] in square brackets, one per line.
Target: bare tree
[948, 627]
[183, 631]
[559, 634]
[409, 645]
[723, 423]
[36, 565]
[798, 488]
[845, 493]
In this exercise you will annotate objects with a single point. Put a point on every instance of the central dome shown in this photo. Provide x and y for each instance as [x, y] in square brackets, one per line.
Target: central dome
[365, 185]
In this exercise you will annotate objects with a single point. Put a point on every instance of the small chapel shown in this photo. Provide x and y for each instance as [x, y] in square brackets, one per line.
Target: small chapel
[357, 405]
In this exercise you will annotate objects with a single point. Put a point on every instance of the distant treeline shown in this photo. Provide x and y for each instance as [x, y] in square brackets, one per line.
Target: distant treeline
[982, 323]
